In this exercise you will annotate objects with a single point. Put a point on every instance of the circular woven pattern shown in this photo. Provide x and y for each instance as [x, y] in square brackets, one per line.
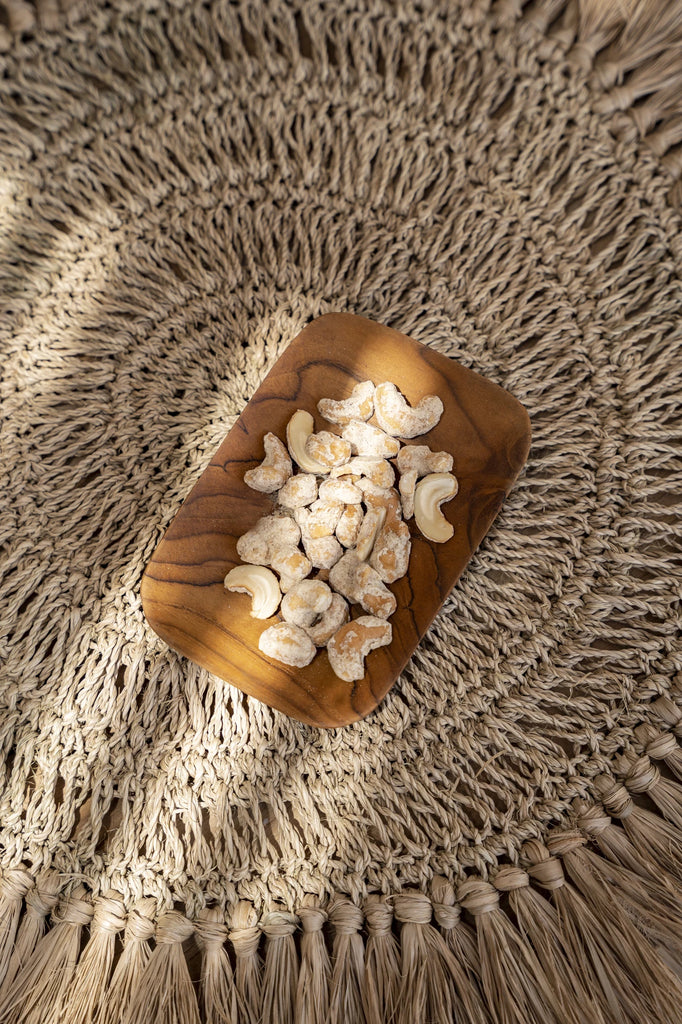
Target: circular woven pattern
[183, 188]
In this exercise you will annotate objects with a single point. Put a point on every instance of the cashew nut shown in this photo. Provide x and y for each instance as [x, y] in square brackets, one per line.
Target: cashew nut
[323, 552]
[399, 419]
[429, 494]
[299, 429]
[340, 490]
[380, 497]
[406, 486]
[287, 643]
[379, 471]
[274, 470]
[270, 534]
[292, 566]
[390, 554]
[336, 614]
[327, 449]
[320, 519]
[348, 526]
[359, 406]
[369, 441]
[420, 458]
[299, 490]
[371, 524]
[361, 584]
[260, 583]
[305, 602]
[349, 646]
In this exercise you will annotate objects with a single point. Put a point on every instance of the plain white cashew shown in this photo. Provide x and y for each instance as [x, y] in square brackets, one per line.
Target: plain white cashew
[260, 583]
[349, 646]
[299, 429]
[398, 418]
[274, 470]
[287, 643]
[429, 494]
[359, 406]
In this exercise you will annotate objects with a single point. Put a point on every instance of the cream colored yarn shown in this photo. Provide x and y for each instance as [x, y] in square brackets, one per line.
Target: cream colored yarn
[184, 186]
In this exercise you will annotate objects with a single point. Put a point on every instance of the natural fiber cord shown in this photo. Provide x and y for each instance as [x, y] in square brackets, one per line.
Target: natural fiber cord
[183, 186]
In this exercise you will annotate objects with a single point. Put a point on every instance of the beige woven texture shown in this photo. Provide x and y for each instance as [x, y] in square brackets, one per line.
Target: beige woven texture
[181, 189]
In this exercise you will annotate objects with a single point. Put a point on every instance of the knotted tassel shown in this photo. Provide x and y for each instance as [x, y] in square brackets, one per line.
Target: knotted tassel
[612, 889]
[661, 746]
[642, 776]
[345, 999]
[218, 992]
[653, 837]
[165, 994]
[381, 980]
[513, 983]
[669, 714]
[14, 885]
[90, 980]
[281, 967]
[538, 923]
[38, 992]
[132, 962]
[616, 963]
[314, 976]
[613, 842]
[40, 902]
[245, 937]
[459, 937]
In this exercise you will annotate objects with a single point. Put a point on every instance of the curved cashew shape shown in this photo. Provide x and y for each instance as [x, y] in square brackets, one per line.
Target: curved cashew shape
[328, 449]
[359, 406]
[350, 644]
[260, 583]
[305, 602]
[299, 429]
[429, 494]
[266, 538]
[274, 470]
[336, 614]
[288, 644]
[398, 418]
[379, 471]
[361, 584]
[368, 441]
[420, 458]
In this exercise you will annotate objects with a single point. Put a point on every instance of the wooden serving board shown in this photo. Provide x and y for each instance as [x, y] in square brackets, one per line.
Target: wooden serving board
[183, 596]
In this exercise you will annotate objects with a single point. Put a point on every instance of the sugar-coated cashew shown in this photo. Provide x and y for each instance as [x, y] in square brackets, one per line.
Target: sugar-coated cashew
[305, 602]
[360, 584]
[390, 554]
[299, 490]
[369, 441]
[287, 643]
[332, 619]
[323, 552]
[274, 470]
[419, 457]
[291, 565]
[320, 519]
[380, 497]
[367, 534]
[348, 526]
[350, 645]
[269, 535]
[299, 429]
[430, 492]
[379, 471]
[398, 418]
[327, 449]
[340, 490]
[260, 583]
[359, 406]
[406, 486]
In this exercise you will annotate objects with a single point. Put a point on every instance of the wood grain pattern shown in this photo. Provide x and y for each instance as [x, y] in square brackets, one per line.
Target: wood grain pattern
[183, 596]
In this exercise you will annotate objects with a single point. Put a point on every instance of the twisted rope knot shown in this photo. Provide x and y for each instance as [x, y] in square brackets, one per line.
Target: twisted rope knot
[109, 915]
[312, 918]
[510, 877]
[173, 927]
[616, 799]
[478, 897]
[140, 926]
[210, 928]
[378, 915]
[662, 745]
[548, 873]
[642, 775]
[668, 712]
[278, 924]
[43, 898]
[412, 908]
[15, 883]
[446, 916]
[75, 909]
[593, 820]
[345, 916]
[565, 842]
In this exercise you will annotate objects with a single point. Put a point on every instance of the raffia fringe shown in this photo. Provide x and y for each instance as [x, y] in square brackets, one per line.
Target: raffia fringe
[586, 929]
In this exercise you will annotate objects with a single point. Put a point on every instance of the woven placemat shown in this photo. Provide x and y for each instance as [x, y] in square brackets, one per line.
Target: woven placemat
[182, 187]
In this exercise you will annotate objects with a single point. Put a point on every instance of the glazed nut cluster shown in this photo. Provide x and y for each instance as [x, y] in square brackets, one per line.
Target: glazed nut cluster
[337, 535]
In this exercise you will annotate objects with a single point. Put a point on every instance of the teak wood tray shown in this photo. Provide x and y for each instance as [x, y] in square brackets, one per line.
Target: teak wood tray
[183, 596]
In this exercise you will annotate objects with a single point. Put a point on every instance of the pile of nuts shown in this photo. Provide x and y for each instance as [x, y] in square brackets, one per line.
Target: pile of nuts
[341, 507]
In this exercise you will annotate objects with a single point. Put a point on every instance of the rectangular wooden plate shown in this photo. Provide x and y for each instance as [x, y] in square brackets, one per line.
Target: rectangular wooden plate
[183, 596]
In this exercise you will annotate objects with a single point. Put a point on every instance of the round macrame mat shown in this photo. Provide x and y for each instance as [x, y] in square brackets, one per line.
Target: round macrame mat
[183, 187]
